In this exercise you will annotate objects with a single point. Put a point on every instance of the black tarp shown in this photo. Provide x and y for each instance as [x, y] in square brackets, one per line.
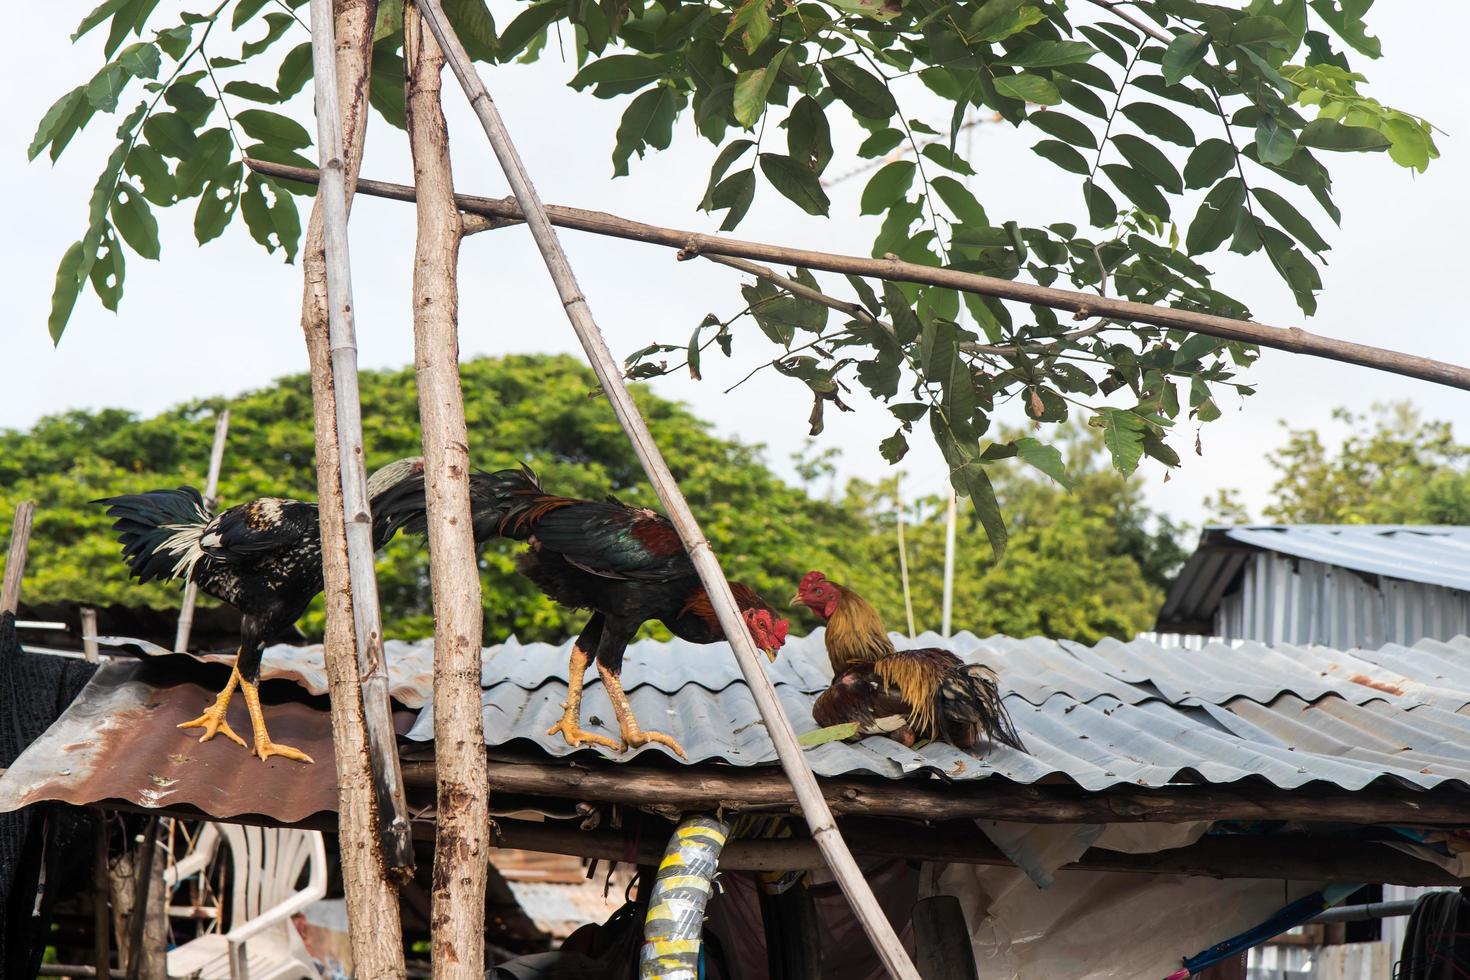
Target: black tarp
[34, 690]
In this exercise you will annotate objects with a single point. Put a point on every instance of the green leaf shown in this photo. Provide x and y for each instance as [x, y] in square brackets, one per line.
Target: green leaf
[1157, 449]
[1275, 143]
[272, 226]
[1290, 219]
[1159, 121]
[244, 10]
[796, 183]
[1184, 53]
[753, 22]
[217, 205]
[169, 134]
[276, 26]
[475, 26]
[208, 162]
[1029, 88]
[1329, 134]
[895, 447]
[735, 192]
[1045, 458]
[1215, 220]
[1049, 54]
[1063, 156]
[106, 86]
[141, 60]
[866, 296]
[808, 137]
[880, 10]
[1123, 435]
[648, 121]
[1253, 30]
[1148, 159]
[1211, 160]
[1194, 347]
[751, 89]
[385, 88]
[54, 121]
[272, 127]
[832, 733]
[1063, 127]
[295, 71]
[1004, 22]
[1345, 17]
[863, 92]
[1102, 211]
[253, 91]
[108, 271]
[887, 187]
[905, 324]
[100, 13]
[732, 152]
[147, 164]
[1138, 189]
[947, 158]
[64, 295]
[880, 143]
[619, 74]
[958, 199]
[529, 25]
[134, 220]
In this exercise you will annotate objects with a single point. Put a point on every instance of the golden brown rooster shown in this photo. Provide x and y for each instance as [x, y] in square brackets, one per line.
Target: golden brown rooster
[938, 696]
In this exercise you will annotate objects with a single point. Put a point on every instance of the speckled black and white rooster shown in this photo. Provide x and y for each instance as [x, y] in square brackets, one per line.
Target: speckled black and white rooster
[263, 557]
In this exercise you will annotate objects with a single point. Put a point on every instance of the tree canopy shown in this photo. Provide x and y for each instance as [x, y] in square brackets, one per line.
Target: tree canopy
[1393, 467]
[1075, 570]
[1159, 109]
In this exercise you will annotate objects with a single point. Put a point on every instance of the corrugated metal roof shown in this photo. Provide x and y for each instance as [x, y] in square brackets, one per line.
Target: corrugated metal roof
[1117, 713]
[1420, 586]
[1114, 714]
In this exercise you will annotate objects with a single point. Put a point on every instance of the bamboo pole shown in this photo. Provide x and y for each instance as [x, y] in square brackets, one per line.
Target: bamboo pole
[778, 726]
[691, 244]
[461, 832]
[950, 520]
[373, 913]
[90, 650]
[211, 492]
[903, 557]
[101, 892]
[357, 513]
[15, 560]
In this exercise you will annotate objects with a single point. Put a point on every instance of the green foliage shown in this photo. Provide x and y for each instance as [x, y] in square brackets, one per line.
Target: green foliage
[1241, 102]
[538, 409]
[1394, 467]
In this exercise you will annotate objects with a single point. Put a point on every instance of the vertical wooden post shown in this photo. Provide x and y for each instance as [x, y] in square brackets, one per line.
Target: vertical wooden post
[372, 901]
[942, 939]
[609, 373]
[211, 491]
[101, 890]
[945, 616]
[15, 561]
[461, 830]
[89, 635]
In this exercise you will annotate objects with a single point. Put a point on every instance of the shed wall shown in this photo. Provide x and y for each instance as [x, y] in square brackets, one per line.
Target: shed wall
[1293, 600]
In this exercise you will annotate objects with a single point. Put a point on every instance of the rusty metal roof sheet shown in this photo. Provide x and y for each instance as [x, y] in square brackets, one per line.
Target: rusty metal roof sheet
[1101, 716]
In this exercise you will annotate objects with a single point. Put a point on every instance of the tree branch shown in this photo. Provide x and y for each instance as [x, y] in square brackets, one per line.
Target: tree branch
[1113, 7]
[691, 244]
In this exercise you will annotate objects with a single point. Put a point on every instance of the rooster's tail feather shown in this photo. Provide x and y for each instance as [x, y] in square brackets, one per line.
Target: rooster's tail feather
[973, 708]
[159, 531]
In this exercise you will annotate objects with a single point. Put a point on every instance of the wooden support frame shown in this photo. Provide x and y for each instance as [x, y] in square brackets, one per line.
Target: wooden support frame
[211, 492]
[1082, 305]
[15, 559]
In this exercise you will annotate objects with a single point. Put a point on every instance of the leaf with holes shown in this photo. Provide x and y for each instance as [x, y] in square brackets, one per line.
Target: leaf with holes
[1047, 459]
[134, 220]
[217, 205]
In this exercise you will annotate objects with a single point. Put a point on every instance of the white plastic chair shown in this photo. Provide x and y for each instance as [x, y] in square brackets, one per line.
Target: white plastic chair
[266, 864]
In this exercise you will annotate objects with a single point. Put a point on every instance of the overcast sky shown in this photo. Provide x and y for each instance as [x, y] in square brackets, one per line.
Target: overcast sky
[223, 318]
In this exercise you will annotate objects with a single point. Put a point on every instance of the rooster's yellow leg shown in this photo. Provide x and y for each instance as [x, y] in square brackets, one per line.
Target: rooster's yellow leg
[633, 736]
[264, 747]
[570, 725]
[213, 720]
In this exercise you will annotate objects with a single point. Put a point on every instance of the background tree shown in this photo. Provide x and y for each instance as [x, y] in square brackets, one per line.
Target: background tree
[1393, 467]
[1160, 109]
[1083, 564]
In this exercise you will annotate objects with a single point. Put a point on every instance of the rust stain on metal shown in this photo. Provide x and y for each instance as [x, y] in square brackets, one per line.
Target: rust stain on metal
[1383, 686]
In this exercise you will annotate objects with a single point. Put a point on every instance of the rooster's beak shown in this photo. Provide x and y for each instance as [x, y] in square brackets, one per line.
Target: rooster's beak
[770, 653]
[796, 600]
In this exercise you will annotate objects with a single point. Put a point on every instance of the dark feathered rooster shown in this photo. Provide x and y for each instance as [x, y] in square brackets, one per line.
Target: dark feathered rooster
[625, 564]
[938, 696]
[263, 557]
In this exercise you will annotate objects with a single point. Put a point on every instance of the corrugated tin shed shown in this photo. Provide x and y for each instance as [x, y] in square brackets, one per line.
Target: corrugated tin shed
[1339, 585]
[1112, 715]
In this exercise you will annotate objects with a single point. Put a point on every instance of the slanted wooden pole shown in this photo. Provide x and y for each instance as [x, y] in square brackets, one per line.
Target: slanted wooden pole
[357, 513]
[15, 560]
[461, 830]
[1083, 305]
[778, 726]
[372, 901]
[211, 491]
